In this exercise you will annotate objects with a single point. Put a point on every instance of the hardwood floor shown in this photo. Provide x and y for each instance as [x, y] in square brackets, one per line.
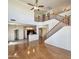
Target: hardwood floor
[37, 51]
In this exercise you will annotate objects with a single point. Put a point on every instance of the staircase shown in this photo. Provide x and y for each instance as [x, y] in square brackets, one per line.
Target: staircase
[58, 26]
[55, 29]
[63, 21]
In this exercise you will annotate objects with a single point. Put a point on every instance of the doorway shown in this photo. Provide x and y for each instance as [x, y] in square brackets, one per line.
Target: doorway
[42, 33]
[30, 32]
[16, 34]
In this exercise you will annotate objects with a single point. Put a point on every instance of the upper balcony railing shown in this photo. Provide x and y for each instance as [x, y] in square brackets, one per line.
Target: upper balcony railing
[53, 16]
[48, 16]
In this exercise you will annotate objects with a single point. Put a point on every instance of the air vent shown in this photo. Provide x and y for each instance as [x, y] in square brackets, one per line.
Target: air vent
[13, 20]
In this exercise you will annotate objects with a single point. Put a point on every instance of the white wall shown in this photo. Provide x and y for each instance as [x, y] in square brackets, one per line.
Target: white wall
[20, 12]
[61, 39]
[11, 34]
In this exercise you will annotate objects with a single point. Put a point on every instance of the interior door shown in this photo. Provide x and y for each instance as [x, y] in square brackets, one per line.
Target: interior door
[40, 35]
[16, 34]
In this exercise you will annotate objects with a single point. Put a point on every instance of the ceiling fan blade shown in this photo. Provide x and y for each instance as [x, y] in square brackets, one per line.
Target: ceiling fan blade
[36, 1]
[41, 6]
[32, 8]
[30, 4]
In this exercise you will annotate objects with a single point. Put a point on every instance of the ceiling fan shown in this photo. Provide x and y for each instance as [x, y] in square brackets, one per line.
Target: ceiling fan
[35, 6]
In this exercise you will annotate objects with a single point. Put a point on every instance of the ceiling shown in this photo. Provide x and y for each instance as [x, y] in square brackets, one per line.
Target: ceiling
[19, 9]
[52, 4]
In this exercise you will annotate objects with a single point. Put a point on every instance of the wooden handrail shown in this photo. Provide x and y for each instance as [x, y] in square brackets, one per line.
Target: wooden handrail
[55, 25]
[45, 36]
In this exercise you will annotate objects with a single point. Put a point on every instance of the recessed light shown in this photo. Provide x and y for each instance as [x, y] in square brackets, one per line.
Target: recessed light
[33, 50]
[28, 52]
[15, 54]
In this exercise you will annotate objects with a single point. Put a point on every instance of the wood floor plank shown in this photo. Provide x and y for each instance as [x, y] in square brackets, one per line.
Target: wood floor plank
[37, 51]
